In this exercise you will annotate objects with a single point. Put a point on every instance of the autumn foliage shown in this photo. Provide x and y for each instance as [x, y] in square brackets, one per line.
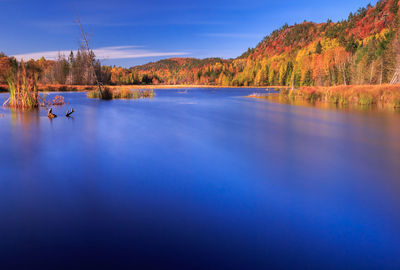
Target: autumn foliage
[358, 50]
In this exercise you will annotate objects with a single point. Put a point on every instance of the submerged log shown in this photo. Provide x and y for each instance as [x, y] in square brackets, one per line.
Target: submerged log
[68, 114]
[50, 114]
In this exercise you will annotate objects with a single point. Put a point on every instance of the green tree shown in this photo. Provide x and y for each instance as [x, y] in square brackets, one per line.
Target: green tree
[308, 80]
[318, 48]
[352, 45]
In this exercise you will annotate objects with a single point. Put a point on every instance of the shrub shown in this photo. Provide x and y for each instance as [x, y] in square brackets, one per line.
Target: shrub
[58, 101]
[106, 93]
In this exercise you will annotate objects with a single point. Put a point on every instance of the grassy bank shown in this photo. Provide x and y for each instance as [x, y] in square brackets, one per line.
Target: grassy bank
[109, 93]
[361, 95]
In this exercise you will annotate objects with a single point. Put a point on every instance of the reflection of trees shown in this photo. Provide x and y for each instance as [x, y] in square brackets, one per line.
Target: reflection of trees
[25, 134]
[25, 118]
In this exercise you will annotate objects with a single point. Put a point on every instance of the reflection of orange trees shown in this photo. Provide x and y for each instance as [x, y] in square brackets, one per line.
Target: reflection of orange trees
[25, 118]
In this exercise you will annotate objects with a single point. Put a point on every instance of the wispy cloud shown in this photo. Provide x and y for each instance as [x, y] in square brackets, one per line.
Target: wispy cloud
[105, 53]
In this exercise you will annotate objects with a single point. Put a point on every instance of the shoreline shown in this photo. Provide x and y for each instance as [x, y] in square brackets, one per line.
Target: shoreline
[384, 95]
[85, 88]
[380, 96]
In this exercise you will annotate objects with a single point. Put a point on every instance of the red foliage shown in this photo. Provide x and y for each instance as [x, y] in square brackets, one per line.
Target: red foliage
[58, 101]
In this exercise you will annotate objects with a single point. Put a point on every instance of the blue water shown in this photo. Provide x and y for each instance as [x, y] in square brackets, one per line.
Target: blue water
[206, 179]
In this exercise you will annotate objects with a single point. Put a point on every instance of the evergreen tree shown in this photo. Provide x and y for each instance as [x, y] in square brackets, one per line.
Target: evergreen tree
[308, 80]
[318, 48]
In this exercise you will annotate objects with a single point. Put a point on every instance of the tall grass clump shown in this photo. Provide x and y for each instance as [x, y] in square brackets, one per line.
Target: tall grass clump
[106, 94]
[22, 86]
[146, 93]
[120, 93]
[93, 94]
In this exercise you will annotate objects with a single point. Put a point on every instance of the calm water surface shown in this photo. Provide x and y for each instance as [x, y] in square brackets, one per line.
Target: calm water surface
[206, 179]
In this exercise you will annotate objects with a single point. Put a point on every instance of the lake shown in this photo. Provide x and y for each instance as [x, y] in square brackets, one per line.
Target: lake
[203, 179]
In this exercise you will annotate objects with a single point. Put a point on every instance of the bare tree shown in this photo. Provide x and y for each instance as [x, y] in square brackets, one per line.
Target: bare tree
[396, 48]
[90, 54]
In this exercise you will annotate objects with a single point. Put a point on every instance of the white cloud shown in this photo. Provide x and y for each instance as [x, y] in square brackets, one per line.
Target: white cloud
[105, 53]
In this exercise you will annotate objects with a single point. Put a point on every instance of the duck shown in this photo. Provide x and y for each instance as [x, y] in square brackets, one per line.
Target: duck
[50, 114]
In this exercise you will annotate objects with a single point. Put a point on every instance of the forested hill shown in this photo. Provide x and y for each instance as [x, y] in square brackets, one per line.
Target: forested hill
[359, 50]
[362, 49]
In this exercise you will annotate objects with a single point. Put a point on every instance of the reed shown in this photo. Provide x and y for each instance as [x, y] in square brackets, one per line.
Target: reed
[120, 93]
[93, 94]
[22, 86]
[147, 93]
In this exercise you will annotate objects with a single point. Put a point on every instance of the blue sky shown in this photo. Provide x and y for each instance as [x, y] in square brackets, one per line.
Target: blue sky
[134, 32]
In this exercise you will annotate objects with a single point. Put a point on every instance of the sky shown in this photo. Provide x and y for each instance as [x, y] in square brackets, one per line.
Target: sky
[128, 33]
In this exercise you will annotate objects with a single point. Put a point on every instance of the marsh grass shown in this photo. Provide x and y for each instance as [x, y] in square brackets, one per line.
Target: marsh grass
[24, 94]
[120, 93]
[22, 85]
[362, 95]
[93, 94]
[22, 88]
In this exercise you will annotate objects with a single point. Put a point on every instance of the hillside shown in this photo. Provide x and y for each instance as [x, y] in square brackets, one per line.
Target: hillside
[359, 50]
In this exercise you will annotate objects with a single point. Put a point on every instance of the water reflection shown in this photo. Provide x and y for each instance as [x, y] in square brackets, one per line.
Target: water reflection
[330, 106]
[25, 118]
[243, 182]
